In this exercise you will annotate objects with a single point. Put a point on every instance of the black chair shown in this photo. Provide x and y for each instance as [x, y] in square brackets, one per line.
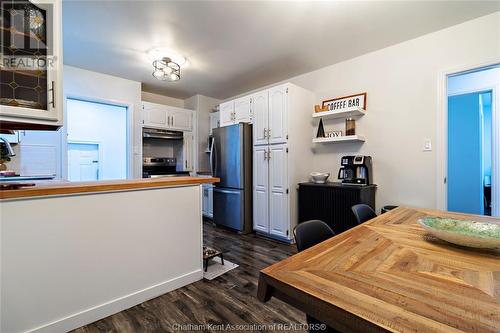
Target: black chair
[308, 234]
[363, 213]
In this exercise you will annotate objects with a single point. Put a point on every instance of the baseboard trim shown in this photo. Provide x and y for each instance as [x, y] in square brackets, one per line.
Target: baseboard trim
[119, 304]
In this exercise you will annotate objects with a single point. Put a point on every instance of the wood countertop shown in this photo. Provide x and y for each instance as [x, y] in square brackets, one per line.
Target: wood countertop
[68, 188]
[389, 274]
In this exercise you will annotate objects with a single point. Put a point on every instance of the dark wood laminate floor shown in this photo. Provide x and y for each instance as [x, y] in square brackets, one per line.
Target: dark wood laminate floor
[228, 299]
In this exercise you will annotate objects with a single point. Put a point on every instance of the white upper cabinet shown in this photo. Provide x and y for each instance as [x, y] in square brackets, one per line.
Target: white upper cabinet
[260, 112]
[166, 117]
[242, 110]
[214, 121]
[155, 115]
[278, 113]
[226, 113]
[33, 95]
[180, 119]
[236, 111]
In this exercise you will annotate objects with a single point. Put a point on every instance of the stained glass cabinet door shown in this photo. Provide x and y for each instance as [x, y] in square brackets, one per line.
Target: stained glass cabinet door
[31, 66]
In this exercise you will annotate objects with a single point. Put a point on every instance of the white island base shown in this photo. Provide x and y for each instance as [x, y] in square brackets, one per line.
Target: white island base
[70, 260]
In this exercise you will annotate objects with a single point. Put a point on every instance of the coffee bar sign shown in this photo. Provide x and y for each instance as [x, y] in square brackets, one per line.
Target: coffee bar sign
[346, 103]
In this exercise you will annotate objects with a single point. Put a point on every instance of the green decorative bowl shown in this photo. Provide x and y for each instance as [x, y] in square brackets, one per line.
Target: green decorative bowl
[469, 233]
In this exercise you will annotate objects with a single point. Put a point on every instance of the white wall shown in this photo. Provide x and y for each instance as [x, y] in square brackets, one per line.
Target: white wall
[402, 82]
[402, 105]
[162, 99]
[89, 122]
[203, 105]
[84, 84]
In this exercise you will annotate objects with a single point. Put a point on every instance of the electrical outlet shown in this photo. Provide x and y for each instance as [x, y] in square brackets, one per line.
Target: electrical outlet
[427, 145]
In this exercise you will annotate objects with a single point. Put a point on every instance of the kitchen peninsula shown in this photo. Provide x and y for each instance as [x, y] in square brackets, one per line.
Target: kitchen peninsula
[72, 253]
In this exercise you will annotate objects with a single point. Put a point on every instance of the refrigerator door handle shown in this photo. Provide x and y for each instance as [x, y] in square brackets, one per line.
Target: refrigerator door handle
[213, 156]
[216, 189]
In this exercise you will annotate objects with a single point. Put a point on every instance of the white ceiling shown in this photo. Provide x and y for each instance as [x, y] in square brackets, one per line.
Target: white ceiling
[237, 46]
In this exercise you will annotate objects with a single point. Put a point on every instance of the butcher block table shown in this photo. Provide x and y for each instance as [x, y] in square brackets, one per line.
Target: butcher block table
[388, 274]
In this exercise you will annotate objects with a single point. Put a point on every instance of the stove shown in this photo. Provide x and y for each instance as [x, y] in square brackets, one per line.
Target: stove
[156, 167]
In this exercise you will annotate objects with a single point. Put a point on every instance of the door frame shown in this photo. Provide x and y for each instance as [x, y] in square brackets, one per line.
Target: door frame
[442, 132]
[129, 130]
[83, 142]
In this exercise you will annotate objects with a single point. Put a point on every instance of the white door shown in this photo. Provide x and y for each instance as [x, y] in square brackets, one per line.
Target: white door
[260, 115]
[242, 110]
[278, 187]
[226, 114]
[278, 112]
[187, 153]
[260, 189]
[155, 116]
[181, 120]
[83, 162]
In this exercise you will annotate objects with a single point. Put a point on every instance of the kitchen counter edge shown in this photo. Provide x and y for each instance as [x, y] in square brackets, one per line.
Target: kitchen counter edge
[71, 188]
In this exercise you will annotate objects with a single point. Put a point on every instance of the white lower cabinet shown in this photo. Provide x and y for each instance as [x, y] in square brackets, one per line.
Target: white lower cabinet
[271, 193]
[278, 194]
[208, 195]
[260, 189]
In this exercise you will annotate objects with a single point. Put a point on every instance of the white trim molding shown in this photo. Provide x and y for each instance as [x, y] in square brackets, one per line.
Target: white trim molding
[119, 304]
[442, 131]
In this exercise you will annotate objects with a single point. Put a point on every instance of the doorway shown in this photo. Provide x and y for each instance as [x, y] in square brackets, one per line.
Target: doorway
[97, 136]
[473, 154]
[83, 161]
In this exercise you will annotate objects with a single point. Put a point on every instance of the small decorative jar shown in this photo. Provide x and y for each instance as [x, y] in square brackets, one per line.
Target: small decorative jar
[350, 126]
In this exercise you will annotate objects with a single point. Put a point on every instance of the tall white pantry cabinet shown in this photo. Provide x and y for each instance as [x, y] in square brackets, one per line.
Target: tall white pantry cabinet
[281, 156]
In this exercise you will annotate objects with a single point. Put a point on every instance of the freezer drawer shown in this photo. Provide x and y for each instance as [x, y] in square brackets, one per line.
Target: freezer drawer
[232, 209]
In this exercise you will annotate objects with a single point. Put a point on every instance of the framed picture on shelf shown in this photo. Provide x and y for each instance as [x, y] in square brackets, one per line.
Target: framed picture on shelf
[345, 103]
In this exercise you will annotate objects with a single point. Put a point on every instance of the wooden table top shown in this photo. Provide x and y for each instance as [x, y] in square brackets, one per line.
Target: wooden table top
[388, 274]
[48, 188]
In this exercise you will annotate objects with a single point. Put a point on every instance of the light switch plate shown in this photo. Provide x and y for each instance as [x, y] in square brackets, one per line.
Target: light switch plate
[427, 145]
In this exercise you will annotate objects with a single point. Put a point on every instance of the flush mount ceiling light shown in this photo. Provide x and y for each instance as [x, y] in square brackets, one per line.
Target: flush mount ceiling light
[166, 70]
[166, 64]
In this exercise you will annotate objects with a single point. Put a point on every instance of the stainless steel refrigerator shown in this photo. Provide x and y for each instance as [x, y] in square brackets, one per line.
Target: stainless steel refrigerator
[231, 161]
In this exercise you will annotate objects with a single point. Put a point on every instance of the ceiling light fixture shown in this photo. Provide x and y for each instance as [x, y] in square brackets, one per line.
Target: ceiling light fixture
[166, 70]
[166, 64]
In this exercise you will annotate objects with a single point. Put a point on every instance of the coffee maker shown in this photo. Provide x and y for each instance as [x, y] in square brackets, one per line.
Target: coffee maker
[356, 170]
